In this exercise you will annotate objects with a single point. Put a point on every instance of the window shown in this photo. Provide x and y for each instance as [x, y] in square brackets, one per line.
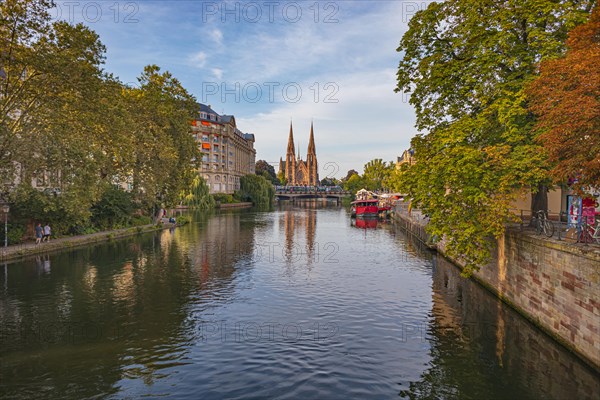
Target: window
[215, 158]
[203, 115]
[205, 138]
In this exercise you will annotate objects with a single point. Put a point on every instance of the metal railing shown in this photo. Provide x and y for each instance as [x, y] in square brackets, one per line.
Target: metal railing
[562, 225]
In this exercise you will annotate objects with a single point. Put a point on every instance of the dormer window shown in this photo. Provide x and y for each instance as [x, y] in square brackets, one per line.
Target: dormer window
[203, 115]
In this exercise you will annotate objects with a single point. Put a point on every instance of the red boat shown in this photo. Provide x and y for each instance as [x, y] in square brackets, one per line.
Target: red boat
[366, 223]
[365, 208]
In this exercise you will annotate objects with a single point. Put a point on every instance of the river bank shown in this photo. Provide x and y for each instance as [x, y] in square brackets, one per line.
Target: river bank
[30, 248]
[220, 206]
[552, 284]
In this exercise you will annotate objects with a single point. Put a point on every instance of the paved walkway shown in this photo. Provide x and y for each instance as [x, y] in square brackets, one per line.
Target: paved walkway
[25, 249]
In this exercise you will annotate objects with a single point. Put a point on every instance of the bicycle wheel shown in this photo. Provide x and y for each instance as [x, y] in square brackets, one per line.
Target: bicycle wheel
[538, 226]
[596, 235]
[548, 228]
[585, 236]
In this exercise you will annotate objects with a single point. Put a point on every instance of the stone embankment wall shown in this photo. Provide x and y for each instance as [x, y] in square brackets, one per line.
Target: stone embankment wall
[554, 284]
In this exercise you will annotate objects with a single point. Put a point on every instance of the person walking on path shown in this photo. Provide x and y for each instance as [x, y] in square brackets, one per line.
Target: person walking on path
[39, 232]
[47, 233]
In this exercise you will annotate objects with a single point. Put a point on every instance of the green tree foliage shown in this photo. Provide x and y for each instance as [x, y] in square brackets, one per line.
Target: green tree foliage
[164, 148]
[114, 209]
[355, 183]
[329, 182]
[51, 78]
[282, 179]
[466, 64]
[66, 123]
[376, 173]
[349, 174]
[258, 190]
[198, 196]
[265, 169]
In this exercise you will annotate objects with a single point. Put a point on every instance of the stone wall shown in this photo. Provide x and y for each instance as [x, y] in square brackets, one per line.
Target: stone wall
[556, 285]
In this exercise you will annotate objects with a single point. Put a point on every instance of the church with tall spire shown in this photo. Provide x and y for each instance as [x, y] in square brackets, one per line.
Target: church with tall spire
[300, 172]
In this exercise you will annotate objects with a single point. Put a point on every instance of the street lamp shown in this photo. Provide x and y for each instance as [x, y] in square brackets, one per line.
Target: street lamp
[5, 210]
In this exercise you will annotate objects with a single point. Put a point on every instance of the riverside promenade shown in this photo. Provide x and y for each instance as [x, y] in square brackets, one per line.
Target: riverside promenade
[31, 248]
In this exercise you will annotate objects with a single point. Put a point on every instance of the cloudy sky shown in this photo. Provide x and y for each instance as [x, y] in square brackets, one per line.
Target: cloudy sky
[331, 62]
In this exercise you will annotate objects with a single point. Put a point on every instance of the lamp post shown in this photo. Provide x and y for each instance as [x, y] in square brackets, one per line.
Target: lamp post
[5, 210]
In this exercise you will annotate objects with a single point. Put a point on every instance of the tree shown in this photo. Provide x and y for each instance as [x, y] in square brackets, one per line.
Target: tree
[566, 98]
[329, 182]
[355, 183]
[50, 83]
[349, 174]
[258, 190]
[265, 169]
[114, 208]
[282, 179]
[466, 64]
[376, 172]
[198, 195]
[165, 154]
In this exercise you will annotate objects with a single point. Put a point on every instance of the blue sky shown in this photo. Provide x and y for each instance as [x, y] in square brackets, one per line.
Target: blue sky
[269, 62]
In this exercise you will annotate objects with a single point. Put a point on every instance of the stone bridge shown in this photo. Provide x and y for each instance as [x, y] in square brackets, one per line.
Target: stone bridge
[292, 195]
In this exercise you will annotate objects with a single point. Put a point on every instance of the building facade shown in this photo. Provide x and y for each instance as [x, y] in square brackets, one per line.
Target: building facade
[227, 152]
[298, 172]
[408, 157]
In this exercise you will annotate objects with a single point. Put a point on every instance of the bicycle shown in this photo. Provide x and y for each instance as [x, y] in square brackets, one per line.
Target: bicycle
[589, 233]
[543, 224]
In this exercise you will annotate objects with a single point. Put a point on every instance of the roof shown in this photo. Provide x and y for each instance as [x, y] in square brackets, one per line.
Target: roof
[227, 118]
[365, 201]
[206, 108]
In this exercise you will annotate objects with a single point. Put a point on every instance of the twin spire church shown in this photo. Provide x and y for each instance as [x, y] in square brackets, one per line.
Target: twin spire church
[297, 171]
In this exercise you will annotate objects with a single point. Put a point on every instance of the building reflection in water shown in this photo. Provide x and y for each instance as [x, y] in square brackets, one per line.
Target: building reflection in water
[472, 323]
[298, 221]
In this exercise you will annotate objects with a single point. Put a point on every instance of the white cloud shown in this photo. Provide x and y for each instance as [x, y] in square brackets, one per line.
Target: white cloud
[218, 73]
[198, 60]
[217, 36]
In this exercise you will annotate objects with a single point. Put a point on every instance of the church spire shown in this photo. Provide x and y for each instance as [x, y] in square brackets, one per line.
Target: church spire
[311, 142]
[290, 147]
[290, 159]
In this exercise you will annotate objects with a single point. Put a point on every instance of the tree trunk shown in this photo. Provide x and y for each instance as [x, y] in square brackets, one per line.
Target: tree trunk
[539, 201]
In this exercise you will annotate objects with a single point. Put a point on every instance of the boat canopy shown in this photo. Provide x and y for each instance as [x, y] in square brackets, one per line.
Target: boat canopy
[373, 201]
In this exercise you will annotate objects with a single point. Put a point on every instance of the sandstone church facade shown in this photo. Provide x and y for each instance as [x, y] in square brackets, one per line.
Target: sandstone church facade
[299, 172]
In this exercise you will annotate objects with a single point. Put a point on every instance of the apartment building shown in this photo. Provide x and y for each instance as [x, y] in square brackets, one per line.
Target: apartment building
[227, 152]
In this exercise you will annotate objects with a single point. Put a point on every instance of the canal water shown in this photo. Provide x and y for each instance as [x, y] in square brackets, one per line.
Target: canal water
[300, 302]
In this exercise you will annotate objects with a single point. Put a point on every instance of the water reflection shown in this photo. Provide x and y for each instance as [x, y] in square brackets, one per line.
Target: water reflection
[112, 312]
[364, 223]
[510, 358]
[294, 303]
